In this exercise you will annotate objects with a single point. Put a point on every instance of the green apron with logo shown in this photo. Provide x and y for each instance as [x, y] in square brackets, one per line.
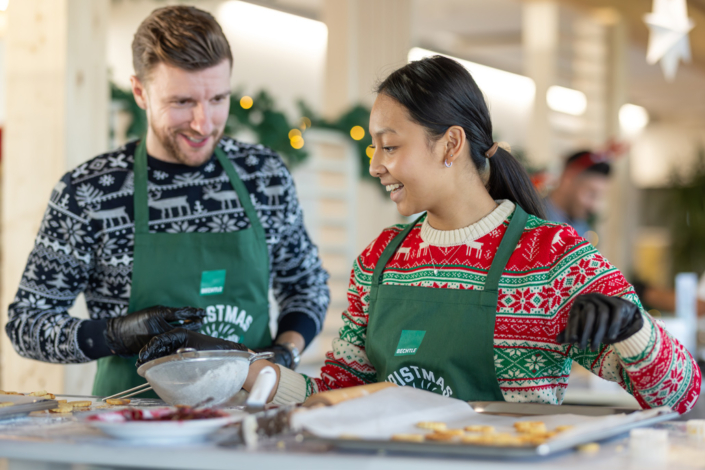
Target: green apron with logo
[440, 340]
[227, 274]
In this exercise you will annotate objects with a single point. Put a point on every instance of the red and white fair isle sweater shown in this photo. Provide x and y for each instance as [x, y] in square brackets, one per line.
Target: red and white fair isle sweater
[550, 267]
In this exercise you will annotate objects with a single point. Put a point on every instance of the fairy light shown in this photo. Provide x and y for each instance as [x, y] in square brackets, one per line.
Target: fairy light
[357, 133]
[592, 237]
[305, 123]
[294, 133]
[370, 152]
[246, 102]
[297, 142]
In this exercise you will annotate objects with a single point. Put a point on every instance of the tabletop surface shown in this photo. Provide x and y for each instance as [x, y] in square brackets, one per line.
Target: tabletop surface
[64, 442]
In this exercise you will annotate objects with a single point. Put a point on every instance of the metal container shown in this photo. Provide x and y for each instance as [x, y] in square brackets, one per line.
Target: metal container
[24, 405]
[192, 377]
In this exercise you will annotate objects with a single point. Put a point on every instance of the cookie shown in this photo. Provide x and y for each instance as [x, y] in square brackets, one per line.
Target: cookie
[589, 448]
[117, 401]
[439, 436]
[62, 408]
[80, 404]
[530, 427]
[482, 428]
[432, 425]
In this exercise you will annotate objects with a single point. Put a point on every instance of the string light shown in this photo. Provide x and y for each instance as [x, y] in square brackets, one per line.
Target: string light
[305, 123]
[370, 152]
[297, 142]
[293, 133]
[357, 133]
[246, 102]
[592, 237]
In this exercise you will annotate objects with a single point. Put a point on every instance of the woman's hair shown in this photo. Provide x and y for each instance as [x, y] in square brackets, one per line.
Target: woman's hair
[439, 93]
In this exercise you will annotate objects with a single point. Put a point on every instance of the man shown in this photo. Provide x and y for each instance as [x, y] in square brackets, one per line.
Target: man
[184, 218]
[580, 190]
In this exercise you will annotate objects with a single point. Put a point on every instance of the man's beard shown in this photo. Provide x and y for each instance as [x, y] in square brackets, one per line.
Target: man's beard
[168, 141]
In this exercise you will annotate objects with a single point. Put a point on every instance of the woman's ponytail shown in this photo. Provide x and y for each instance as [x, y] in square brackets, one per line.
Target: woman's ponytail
[439, 93]
[509, 180]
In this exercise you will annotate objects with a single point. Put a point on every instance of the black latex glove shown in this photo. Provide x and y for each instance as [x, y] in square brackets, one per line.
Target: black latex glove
[171, 341]
[126, 335]
[282, 355]
[598, 318]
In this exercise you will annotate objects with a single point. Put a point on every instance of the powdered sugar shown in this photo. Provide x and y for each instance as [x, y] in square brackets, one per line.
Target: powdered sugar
[184, 383]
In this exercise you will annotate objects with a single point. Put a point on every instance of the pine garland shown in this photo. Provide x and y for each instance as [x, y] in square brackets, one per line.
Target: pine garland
[261, 116]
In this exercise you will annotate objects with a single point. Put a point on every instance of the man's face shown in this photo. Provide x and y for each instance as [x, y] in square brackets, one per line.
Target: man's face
[186, 111]
[589, 188]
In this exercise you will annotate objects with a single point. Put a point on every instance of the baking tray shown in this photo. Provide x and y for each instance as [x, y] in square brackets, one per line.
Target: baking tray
[507, 409]
[24, 405]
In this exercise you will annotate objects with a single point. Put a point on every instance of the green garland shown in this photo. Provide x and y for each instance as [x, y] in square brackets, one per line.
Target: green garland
[269, 124]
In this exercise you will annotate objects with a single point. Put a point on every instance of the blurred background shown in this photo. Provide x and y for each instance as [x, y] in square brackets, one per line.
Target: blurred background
[560, 76]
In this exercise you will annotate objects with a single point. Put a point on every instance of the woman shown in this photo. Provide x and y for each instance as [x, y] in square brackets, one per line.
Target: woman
[479, 299]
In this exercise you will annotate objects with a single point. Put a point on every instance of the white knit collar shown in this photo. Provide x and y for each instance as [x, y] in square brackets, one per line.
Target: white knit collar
[472, 232]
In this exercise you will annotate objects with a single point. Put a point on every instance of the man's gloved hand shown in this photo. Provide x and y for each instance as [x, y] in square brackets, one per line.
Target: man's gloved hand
[126, 335]
[600, 319]
[282, 355]
[171, 341]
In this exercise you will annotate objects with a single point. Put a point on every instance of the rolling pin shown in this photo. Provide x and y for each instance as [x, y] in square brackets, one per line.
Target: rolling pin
[333, 397]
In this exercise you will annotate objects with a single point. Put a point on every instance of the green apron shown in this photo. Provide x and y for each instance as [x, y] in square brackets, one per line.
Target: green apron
[227, 274]
[440, 340]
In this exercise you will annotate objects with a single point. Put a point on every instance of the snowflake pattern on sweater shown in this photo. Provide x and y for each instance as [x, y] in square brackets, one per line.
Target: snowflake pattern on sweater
[86, 239]
[550, 266]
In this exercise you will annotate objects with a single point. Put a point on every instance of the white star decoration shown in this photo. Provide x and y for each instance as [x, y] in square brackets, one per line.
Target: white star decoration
[669, 25]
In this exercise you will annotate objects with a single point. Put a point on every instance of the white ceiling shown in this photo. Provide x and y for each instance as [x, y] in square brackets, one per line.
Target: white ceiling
[489, 32]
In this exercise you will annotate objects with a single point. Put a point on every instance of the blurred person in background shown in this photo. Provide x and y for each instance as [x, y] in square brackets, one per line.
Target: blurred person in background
[581, 188]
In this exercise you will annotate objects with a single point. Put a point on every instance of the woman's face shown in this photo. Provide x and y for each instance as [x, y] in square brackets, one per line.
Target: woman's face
[403, 160]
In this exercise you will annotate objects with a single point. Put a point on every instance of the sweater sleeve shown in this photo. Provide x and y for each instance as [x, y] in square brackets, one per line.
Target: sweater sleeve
[57, 270]
[651, 365]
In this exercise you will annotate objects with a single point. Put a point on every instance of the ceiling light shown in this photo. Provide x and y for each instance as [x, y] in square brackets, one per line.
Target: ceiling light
[566, 100]
[633, 118]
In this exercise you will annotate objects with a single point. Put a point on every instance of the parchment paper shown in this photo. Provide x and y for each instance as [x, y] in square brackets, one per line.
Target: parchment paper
[397, 410]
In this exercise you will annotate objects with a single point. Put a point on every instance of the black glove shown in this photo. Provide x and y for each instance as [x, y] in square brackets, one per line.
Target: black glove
[282, 355]
[171, 341]
[600, 319]
[126, 335]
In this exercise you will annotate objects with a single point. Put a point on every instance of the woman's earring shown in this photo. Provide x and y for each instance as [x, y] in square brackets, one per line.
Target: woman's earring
[448, 165]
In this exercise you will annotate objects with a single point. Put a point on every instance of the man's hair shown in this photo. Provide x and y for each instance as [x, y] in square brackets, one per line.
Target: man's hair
[588, 162]
[180, 36]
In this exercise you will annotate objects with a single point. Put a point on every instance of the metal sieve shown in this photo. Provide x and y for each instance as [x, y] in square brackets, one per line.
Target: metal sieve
[190, 377]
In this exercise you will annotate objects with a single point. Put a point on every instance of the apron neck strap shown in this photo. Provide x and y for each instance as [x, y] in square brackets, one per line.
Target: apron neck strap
[390, 250]
[506, 248]
[141, 197]
[140, 171]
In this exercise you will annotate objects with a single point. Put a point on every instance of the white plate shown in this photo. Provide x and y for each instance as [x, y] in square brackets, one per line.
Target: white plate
[115, 425]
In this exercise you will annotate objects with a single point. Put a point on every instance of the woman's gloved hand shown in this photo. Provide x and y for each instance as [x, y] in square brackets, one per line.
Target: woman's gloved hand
[598, 318]
[171, 341]
[126, 335]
